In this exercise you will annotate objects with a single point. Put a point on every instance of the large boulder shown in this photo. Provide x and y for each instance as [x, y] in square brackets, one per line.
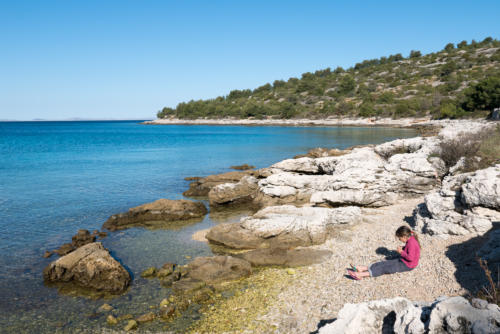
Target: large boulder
[466, 204]
[399, 315]
[90, 266]
[200, 187]
[243, 191]
[157, 213]
[283, 226]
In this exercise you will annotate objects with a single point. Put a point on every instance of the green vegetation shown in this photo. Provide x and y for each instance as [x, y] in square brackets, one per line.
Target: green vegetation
[461, 81]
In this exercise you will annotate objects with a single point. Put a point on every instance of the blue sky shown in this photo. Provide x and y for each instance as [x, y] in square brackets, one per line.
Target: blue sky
[128, 59]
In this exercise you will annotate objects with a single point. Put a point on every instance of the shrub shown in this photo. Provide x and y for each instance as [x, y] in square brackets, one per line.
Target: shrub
[482, 145]
[485, 95]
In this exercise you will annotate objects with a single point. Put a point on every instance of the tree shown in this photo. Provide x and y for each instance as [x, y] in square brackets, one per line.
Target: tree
[485, 95]
[449, 47]
[415, 54]
[462, 44]
[347, 84]
[448, 68]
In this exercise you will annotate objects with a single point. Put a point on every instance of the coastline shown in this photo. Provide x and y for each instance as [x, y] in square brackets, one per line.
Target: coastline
[351, 122]
[302, 300]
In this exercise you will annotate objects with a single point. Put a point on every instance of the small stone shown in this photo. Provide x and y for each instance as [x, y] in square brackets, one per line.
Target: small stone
[146, 318]
[164, 272]
[132, 324]
[111, 320]
[47, 254]
[102, 234]
[125, 317]
[171, 299]
[167, 311]
[164, 302]
[188, 257]
[149, 272]
[105, 308]
[290, 271]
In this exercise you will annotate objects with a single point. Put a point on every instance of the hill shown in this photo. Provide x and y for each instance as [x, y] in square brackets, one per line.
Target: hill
[459, 81]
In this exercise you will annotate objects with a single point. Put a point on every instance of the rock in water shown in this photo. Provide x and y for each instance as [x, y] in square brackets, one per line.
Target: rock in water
[162, 210]
[90, 266]
[202, 186]
[285, 257]
[146, 318]
[218, 268]
[132, 324]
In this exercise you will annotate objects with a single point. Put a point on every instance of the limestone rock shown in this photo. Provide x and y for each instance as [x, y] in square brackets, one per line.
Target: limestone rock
[151, 214]
[149, 272]
[90, 266]
[399, 315]
[234, 193]
[483, 188]
[284, 225]
[466, 203]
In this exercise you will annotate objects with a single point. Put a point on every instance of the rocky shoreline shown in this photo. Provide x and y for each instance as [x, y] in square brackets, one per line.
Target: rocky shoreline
[389, 122]
[318, 213]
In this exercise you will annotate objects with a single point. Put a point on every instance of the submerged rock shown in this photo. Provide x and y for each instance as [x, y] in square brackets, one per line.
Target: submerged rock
[218, 268]
[156, 213]
[242, 167]
[283, 226]
[149, 272]
[90, 266]
[81, 238]
[399, 315]
[285, 257]
[131, 325]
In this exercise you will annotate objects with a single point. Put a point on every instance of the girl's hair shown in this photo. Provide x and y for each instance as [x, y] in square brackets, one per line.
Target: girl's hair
[405, 231]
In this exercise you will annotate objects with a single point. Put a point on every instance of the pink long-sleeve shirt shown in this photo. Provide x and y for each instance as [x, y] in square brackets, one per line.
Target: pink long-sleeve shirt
[411, 253]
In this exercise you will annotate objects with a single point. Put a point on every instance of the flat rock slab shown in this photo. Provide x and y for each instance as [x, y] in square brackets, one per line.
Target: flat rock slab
[90, 266]
[283, 226]
[218, 268]
[157, 213]
[285, 257]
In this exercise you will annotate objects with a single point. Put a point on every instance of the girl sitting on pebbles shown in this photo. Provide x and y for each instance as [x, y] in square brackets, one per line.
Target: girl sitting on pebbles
[408, 260]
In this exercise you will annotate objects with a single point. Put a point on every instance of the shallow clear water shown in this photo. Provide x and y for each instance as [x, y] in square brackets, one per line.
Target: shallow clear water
[58, 177]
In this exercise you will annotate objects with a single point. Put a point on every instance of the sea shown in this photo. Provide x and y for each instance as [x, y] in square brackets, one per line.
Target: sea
[58, 177]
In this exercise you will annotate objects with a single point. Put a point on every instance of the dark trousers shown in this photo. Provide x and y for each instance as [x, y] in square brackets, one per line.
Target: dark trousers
[388, 267]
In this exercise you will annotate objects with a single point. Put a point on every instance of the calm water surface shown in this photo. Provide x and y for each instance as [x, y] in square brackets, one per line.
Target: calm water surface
[58, 177]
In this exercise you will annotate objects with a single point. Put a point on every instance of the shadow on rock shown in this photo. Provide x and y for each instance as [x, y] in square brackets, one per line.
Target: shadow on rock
[322, 323]
[464, 255]
[389, 254]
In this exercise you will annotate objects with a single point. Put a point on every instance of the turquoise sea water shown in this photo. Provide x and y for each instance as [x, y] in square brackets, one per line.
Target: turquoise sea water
[58, 177]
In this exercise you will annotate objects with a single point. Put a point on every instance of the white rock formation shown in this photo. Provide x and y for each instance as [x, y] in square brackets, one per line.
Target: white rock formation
[466, 203]
[284, 225]
[399, 315]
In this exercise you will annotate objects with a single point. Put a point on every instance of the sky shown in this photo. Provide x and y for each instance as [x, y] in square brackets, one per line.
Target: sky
[128, 59]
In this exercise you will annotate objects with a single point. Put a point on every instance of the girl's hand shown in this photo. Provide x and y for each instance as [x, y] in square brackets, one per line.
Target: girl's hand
[400, 249]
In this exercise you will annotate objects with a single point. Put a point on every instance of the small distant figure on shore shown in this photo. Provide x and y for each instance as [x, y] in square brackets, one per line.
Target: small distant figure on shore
[408, 260]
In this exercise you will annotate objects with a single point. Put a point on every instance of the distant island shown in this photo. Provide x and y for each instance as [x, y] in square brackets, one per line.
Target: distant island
[461, 80]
